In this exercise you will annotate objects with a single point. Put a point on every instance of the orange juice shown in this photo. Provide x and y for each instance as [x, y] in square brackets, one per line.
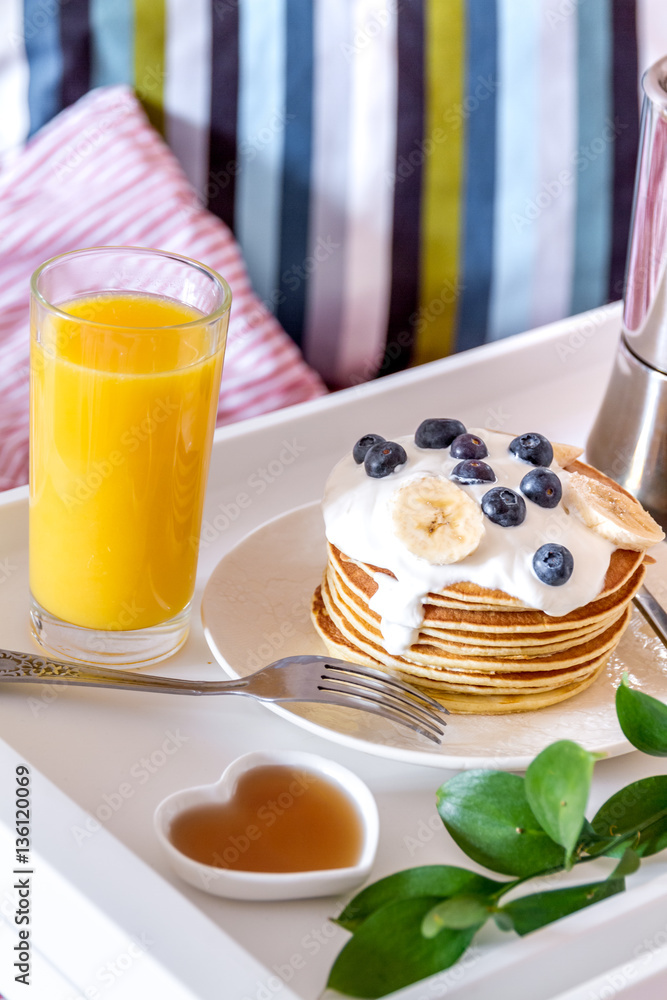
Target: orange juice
[122, 419]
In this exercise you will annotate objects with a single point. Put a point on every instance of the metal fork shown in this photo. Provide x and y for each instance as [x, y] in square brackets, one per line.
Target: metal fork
[652, 611]
[294, 678]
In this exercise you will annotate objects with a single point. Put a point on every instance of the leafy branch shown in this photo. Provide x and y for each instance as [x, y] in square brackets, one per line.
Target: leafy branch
[418, 922]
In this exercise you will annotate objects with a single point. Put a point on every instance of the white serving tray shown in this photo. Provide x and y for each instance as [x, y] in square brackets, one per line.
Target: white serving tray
[101, 921]
[87, 743]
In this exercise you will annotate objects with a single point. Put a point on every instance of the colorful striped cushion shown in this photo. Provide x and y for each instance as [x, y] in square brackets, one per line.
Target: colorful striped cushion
[405, 178]
[98, 174]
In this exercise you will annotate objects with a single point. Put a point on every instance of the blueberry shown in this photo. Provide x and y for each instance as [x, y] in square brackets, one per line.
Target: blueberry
[438, 432]
[468, 446]
[363, 444]
[542, 487]
[473, 472]
[504, 507]
[553, 564]
[533, 448]
[384, 458]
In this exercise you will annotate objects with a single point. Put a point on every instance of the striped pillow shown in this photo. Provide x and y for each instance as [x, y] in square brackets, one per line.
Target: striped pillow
[405, 178]
[98, 174]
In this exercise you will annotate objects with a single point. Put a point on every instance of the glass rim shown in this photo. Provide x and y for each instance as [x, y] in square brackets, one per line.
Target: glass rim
[205, 319]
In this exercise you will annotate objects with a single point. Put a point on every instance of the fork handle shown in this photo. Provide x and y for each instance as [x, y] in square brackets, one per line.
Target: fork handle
[28, 667]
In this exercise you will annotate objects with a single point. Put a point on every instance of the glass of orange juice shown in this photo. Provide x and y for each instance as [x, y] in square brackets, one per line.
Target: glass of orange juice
[126, 356]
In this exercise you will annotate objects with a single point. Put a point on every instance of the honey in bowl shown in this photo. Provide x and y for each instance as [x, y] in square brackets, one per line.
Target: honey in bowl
[278, 819]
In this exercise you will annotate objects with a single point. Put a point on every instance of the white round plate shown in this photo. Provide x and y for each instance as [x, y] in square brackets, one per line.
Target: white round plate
[256, 609]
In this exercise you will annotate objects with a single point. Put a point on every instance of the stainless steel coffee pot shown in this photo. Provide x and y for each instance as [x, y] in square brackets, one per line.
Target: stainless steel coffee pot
[629, 438]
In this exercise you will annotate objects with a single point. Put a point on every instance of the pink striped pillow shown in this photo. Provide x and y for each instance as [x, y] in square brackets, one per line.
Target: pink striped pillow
[99, 175]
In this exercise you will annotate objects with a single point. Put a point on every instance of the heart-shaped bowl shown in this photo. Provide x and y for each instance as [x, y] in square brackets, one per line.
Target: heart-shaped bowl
[237, 884]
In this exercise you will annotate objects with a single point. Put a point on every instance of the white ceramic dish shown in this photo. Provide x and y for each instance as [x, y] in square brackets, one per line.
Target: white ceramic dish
[237, 884]
[256, 609]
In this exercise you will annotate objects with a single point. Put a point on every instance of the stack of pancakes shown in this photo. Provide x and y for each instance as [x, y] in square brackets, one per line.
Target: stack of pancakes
[480, 650]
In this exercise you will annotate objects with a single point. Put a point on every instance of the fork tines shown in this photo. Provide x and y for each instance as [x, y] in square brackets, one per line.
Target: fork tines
[401, 701]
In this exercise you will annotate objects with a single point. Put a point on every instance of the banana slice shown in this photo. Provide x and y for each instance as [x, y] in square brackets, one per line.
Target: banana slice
[565, 453]
[436, 520]
[620, 519]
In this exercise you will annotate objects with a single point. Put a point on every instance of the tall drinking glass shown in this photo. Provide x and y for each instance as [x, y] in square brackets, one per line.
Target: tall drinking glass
[127, 347]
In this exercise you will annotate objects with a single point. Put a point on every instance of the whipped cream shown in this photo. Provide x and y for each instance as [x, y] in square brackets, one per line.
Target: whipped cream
[357, 517]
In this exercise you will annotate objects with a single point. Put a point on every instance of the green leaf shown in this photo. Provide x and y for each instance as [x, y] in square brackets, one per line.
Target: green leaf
[456, 913]
[429, 880]
[588, 834]
[542, 908]
[628, 865]
[640, 806]
[389, 951]
[558, 781]
[643, 719]
[487, 814]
